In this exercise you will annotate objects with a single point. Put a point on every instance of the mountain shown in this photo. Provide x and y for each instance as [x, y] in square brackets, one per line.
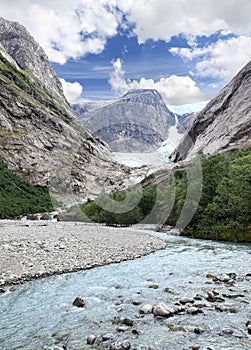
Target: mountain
[185, 120]
[41, 138]
[225, 122]
[138, 121]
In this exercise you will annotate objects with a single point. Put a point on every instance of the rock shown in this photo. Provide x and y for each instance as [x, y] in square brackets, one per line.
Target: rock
[153, 286]
[162, 310]
[225, 278]
[2, 290]
[146, 309]
[107, 336]
[198, 330]
[124, 345]
[128, 321]
[122, 329]
[79, 302]
[249, 329]
[211, 275]
[184, 301]
[91, 339]
[214, 297]
[45, 216]
[198, 297]
[136, 302]
[33, 217]
[227, 331]
[193, 310]
[195, 347]
[169, 290]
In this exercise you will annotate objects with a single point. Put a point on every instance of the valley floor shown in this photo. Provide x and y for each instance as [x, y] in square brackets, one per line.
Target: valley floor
[36, 250]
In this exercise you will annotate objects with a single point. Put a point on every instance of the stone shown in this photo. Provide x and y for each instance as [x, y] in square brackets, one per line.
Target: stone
[107, 336]
[211, 275]
[128, 321]
[193, 310]
[162, 310]
[249, 329]
[225, 278]
[78, 302]
[146, 309]
[91, 339]
[122, 329]
[153, 286]
[184, 301]
[195, 347]
[136, 302]
[124, 345]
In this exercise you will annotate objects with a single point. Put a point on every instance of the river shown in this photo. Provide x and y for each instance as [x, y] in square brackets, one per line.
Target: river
[40, 313]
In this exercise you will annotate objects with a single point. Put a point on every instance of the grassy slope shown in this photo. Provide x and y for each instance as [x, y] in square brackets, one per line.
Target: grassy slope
[17, 197]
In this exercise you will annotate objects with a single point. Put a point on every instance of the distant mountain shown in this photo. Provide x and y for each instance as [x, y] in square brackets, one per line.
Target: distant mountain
[41, 139]
[185, 120]
[225, 122]
[138, 121]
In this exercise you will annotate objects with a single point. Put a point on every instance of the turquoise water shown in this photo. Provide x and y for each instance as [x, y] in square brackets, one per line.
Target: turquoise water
[40, 313]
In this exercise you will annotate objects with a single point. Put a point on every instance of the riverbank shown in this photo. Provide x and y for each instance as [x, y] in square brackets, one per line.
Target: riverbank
[33, 250]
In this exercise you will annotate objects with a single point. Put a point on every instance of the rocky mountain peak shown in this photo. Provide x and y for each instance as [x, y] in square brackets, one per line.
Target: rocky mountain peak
[27, 53]
[138, 121]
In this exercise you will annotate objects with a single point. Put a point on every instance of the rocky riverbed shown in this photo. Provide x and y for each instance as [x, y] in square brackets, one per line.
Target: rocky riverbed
[33, 250]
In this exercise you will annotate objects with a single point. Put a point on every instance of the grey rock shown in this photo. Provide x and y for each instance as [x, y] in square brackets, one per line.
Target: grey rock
[124, 345]
[91, 339]
[128, 322]
[146, 309]
[107, 336]
[163, 310]
[138, 121]
[185, 300]
[78, 302]
[225, 122]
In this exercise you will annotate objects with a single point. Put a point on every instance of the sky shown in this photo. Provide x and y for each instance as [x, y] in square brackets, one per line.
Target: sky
[186, 49]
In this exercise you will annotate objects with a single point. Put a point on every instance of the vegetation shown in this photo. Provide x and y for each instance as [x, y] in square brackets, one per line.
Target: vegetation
[17, 197]
[223, 211]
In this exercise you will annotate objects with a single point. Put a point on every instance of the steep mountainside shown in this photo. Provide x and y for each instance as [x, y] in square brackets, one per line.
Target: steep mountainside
[225, 123]
[185, 120]
[138, 121]
[41, 138]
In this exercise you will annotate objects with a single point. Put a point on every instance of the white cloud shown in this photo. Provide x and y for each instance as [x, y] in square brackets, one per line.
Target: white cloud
[162, 19]
[72, 91]
[222, 59]
[71, 28]
[175, 90]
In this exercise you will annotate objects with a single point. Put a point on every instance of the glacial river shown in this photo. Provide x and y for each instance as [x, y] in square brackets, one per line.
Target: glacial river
[40, 313]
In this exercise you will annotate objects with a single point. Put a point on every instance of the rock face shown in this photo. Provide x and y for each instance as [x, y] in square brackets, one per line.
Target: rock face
[41, 138]
[185, 120]
[138, 121]
[224, 124]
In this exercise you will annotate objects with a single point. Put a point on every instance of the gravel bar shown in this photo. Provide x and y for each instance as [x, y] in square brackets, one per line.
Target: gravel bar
[37, 250]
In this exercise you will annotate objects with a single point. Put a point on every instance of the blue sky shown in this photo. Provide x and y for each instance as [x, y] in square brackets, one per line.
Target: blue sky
[186, 49]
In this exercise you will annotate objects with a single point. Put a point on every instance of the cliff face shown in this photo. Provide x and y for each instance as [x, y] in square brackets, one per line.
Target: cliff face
[225, 123]
[40, 137]
[138, 121]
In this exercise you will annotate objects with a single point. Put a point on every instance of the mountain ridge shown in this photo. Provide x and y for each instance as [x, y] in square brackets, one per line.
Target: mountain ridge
[138, 121]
